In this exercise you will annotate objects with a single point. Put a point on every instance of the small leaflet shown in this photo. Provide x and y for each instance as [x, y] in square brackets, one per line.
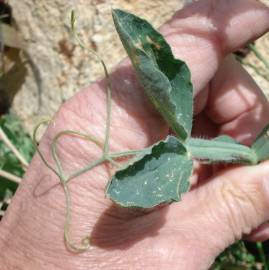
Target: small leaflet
[166, 80]
[159, 176]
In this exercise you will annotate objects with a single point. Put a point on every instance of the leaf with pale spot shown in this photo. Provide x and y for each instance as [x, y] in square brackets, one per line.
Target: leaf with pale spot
[160, 176]
[166, 80]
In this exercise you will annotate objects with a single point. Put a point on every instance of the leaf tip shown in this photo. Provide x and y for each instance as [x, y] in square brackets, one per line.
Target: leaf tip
[117, 12]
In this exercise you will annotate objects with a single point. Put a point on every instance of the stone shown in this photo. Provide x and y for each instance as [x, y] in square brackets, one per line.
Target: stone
[56, 69]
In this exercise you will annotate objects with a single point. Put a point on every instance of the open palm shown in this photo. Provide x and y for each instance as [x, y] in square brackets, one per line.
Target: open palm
[227, 101]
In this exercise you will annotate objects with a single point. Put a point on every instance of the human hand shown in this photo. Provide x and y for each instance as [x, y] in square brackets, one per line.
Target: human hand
[186, 235]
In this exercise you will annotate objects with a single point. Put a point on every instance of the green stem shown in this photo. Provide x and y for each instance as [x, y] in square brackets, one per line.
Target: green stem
[262, 255]
[101, 160]
[259, 55]
[86, 168]
[218, 151]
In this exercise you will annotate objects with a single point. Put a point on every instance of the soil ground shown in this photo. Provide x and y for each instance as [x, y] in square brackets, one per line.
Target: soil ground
[57, 69]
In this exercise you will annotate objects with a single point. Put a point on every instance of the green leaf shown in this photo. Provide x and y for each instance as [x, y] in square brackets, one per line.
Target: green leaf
[8, 161]
[165, 79]
[261, 145]
[222, 149]
[160, 176]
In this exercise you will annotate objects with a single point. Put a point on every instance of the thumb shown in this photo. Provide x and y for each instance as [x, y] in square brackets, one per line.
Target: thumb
[222, 210]
[204, 32]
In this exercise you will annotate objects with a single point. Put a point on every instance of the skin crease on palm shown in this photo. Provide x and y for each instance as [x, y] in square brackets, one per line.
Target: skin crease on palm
[224, 205]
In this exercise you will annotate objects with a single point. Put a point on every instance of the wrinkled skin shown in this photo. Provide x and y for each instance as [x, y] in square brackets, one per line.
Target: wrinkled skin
[225, 203]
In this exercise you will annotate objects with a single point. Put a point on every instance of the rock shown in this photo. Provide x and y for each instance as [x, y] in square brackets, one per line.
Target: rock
[59, 69]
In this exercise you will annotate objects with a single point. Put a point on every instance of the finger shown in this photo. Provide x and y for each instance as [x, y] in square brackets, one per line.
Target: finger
[259, 234]
[232, 93]
[205, 31]
[200, 173]
[203, 127]
[200, 100]
[236, 104]
[194, 35]
[200, 35]
[231, 206]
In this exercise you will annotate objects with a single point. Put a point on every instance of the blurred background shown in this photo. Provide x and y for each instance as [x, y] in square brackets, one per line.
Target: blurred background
[40, 67]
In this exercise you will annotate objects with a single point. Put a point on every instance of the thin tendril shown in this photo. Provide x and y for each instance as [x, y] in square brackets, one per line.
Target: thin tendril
[126, 153]
[74, 133]
[81, 135]
[85, 242]
[108, 119]
[113, 162]
[106, 156]
[86, 168]
[93, 164]
[43, 122]
[108, 87]
[56, 158]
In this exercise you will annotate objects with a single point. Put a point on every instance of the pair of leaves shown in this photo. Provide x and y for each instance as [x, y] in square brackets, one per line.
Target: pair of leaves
[162, 172]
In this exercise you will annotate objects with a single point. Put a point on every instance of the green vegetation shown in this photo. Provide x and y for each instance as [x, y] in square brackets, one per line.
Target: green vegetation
[155, 173]
[16, 150]
[161, 173]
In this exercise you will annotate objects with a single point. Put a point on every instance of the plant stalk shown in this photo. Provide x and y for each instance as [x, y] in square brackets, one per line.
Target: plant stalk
[13, 148]
[254, 49]
[10, 176]
[262, 255]
[213, 151]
